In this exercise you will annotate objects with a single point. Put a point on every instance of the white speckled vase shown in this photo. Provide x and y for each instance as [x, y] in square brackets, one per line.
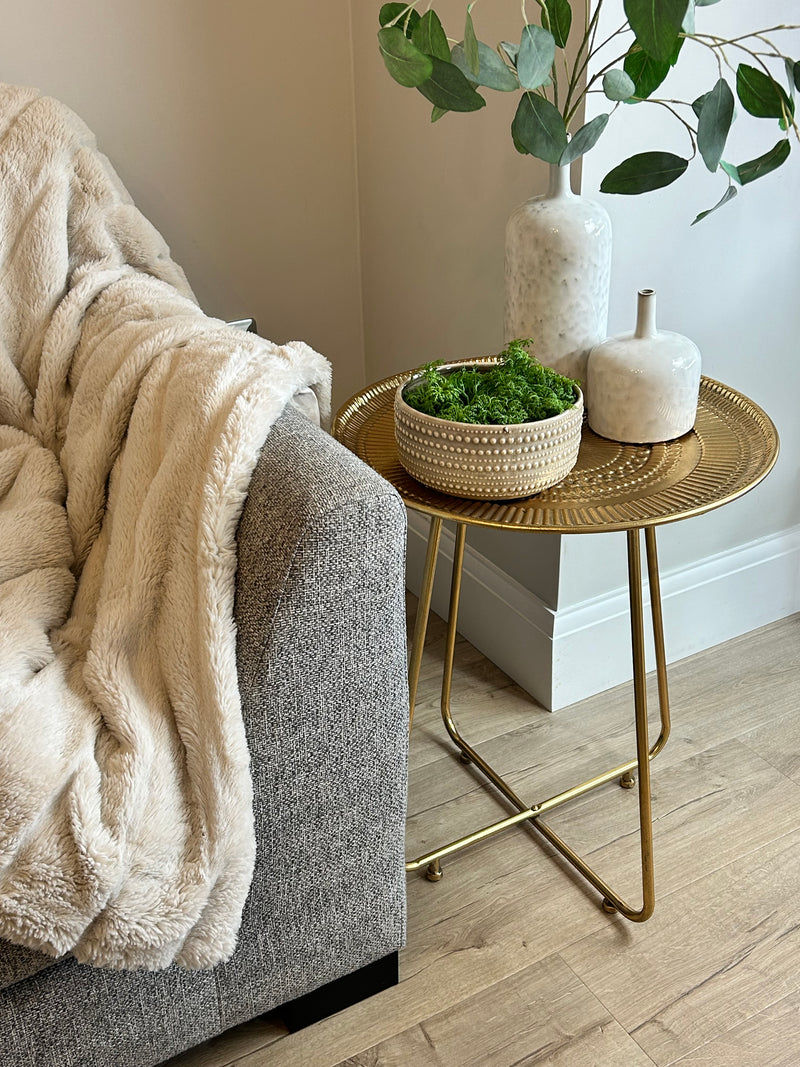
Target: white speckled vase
[644, 384]
[558, 269]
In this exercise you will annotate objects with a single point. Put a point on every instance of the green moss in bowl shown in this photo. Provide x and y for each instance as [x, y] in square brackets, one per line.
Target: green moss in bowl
[517, 389]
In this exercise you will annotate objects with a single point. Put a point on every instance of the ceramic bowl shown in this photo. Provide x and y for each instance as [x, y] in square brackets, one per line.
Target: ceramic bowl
[486, 462]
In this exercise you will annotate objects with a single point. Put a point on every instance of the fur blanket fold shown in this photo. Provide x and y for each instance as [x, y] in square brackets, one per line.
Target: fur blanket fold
[129, 427]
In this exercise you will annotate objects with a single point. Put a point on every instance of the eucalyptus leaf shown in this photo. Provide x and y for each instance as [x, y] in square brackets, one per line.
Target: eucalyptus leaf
[647, 73]
[389, 12]
[730, 193]
[760, 94]
[656, 24]
[511, 50]
[471, 45]
[797, 75]
[617, 85]
[538, 128]
[494, 73]
[586, 138]
[437, 113]
[757, 168]
[716, 116]
[558, 16]
[688, 24]
[705, 3]
[697, 106]
[789, 65]
[430, 38]
[537, 51]
[731, 171]
[449, 89]
[404, 61]
[644, 172]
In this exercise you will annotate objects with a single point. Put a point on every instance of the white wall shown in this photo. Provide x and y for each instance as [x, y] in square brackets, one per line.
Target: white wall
[729, 283]
[232, 126]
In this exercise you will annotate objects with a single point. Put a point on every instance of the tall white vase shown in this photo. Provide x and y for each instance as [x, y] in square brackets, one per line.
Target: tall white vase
[558, 269]
[644, 384]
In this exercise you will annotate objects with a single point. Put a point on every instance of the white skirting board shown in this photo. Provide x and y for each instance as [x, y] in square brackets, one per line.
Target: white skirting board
[563, 656]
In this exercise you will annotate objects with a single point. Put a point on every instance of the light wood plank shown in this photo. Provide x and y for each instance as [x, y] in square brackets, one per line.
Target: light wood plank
[713, 956]
[772, 1037]
[777, 741]
[543, 1015]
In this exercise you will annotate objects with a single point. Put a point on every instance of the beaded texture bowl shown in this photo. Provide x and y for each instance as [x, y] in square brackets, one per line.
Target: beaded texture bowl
[486, 462]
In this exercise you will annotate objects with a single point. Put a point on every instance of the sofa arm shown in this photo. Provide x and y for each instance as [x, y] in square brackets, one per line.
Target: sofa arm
[321, 652]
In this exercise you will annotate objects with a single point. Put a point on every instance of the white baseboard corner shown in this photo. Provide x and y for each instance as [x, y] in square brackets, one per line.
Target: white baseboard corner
[564, 656]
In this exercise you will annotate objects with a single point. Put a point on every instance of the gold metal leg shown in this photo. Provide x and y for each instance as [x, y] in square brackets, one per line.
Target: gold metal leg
[611, 900]
[423, 611]
[644, 753]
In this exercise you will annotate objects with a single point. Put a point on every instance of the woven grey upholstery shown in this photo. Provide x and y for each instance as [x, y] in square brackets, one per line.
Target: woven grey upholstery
[322, 669]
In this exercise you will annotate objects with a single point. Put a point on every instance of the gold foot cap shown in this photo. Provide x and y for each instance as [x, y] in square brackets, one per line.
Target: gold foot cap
[434, 872]
[608, 906]
[627, 781]
[464, 758]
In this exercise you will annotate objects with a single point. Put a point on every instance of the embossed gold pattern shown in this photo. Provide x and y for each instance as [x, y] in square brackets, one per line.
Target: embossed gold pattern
[612, 487]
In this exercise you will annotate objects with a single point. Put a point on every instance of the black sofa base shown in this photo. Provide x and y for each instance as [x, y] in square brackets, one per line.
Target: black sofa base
[341, 993]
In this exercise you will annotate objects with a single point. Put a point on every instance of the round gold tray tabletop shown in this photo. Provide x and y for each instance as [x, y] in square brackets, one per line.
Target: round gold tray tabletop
[732, 447]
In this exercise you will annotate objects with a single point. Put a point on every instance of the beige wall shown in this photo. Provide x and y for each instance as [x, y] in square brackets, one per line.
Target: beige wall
[434, 202]
[232, 126]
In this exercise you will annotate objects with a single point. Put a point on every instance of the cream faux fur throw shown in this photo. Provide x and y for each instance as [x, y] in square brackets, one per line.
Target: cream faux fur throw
[130, 427]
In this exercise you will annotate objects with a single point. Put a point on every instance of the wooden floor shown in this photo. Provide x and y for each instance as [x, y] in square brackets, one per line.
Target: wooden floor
[510, 961]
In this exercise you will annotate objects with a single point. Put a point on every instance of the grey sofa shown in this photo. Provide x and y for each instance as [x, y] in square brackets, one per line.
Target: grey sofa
[322, 669]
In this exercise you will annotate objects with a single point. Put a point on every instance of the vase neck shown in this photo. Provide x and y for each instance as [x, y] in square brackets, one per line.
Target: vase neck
[646, 314]
[558, 185]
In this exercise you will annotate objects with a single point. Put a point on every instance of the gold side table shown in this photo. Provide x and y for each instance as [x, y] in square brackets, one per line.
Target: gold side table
[631, 488]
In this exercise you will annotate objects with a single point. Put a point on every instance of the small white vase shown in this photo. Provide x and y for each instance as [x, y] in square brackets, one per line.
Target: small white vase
[645, 384]
[557, 273]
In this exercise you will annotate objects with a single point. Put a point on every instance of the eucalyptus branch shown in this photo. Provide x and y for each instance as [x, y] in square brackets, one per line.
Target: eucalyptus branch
[421, 55]
[580, 70]
[715, 44]
[596, 25]
[405, 13]
[708, 40]
[749, 36]
[590, 28]
[692, 131]
[604, 70]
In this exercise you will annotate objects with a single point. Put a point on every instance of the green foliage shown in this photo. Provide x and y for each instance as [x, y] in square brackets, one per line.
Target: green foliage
[644, 172]
[553, 84]
[539, 129]
[518, 389]
[656, 24]
[617, 85]
[645, 72]
[716, 116]
[557, 18]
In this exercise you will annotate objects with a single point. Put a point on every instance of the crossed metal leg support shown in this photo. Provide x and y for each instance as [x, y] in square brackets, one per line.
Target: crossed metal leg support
[644, 753]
